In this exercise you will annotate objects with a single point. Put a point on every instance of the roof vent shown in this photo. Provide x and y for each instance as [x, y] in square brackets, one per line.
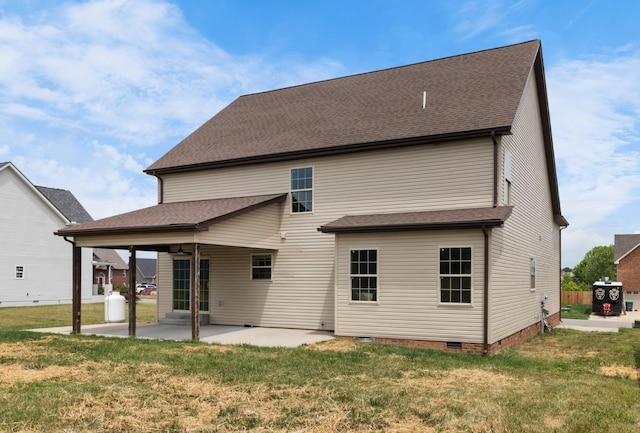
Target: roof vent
[424, 99]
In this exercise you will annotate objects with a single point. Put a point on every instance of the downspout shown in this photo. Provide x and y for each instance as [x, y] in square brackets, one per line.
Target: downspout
[160, 189]
[560, 268]
[495, 168]
[485, 347]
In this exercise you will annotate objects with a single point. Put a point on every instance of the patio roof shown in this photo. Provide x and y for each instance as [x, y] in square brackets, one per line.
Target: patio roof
[172, 217]
[428, 220]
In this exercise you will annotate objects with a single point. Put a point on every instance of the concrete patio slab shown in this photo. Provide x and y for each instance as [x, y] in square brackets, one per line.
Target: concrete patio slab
[218, 334]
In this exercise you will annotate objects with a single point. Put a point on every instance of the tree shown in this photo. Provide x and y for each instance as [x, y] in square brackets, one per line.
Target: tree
[595, 266]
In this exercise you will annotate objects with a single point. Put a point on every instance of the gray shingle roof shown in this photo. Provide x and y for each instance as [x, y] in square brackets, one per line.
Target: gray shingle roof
[147, 267]
[190, 215]
[465, 95]
[438, 219]
[622, 244]
[108, 255]
[66, 203]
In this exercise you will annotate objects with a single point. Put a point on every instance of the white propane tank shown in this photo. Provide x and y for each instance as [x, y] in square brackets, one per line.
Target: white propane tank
[114, 307]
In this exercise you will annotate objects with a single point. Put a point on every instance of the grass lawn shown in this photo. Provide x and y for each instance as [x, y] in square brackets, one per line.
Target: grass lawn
[49, 316]
[562, 381]
[578, 311]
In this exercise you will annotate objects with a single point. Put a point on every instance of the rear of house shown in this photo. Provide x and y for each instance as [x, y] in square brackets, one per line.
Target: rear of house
[416, 205]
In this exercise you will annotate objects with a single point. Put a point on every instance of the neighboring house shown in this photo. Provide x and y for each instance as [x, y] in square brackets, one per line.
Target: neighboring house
[626, 256]
[108, 269]
[35, 266]
[416, 205]
[146, 270]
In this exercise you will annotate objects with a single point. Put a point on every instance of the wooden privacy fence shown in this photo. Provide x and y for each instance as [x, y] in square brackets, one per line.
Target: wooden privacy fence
[575, 297]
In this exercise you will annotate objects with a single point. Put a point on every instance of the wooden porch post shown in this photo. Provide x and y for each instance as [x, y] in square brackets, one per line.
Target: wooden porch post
[132, 291]
[76, 290]
[195, 293]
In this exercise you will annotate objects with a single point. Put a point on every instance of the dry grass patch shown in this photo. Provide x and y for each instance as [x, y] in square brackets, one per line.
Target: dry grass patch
[620, 371]
[339, 345]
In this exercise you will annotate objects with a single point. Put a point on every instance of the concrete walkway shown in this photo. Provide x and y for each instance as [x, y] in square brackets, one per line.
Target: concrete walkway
[602, 323]
[265, 337]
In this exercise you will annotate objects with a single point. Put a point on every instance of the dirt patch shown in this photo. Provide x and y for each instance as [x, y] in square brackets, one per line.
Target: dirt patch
[620, 371]
[339, 345]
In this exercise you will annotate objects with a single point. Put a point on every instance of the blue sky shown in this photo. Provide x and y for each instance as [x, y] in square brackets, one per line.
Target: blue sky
[93, 92]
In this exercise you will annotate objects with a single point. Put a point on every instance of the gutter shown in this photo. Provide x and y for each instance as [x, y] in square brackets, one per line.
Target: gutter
[328, 151]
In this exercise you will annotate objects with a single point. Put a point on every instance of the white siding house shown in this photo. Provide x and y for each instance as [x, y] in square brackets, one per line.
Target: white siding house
[415, 205]
[35, 265]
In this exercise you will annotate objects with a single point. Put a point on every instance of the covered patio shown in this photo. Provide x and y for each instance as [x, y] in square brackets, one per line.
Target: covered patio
[216, 334]
[180, 228]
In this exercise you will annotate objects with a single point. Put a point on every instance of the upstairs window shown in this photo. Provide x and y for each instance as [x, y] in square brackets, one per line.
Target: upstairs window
[507, 178]
[302, 190]
[19, 272]
[455, 275]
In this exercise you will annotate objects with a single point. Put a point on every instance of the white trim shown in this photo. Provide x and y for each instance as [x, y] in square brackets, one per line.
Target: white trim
[439, 275]
[35, 190]
[617, 262]
[251, 267]
[377, 276]
[313, 184]
[15, 274]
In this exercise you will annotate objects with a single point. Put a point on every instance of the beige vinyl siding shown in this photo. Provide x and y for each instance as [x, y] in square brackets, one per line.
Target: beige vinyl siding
[165, 284]
[408, 304]
[256, 229]
[452, 175]
[530, 231]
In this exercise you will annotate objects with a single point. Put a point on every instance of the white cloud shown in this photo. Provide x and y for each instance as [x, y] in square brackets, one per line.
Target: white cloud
[93, 92]
[595, 113]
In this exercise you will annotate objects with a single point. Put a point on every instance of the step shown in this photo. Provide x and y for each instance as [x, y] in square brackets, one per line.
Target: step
[182, 319]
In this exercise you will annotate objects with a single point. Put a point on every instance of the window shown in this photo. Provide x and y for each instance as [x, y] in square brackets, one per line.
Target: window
[19, 272]
[261, 267]
[532, 265]
[507, 178]
[302, 190]
[364, 275]
[182, 284]
[455, 275]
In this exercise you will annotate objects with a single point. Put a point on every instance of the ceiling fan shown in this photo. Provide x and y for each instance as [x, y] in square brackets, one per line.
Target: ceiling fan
[182, 252]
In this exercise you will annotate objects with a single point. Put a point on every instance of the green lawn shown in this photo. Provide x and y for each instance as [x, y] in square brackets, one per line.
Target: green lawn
[562, 381]
[48, 316]
[578, 311]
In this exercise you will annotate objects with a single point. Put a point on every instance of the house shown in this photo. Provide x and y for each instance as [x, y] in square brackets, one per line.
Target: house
[108, 269]
[416, 205]
[146, 270]
[36, 267]
[626, 256]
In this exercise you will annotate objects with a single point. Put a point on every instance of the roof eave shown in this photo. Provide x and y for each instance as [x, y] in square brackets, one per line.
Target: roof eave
[413, 227]
[336, 150]
[126, 230]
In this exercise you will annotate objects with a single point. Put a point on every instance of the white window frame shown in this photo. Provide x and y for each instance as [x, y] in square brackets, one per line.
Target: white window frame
[252, 266]
[460, 275]
[507, 199]
[19, 272]
[532, 274]
[311, 190]
[358, 275]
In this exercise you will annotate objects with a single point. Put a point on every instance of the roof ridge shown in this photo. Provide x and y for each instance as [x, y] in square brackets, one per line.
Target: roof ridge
[391, 68]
